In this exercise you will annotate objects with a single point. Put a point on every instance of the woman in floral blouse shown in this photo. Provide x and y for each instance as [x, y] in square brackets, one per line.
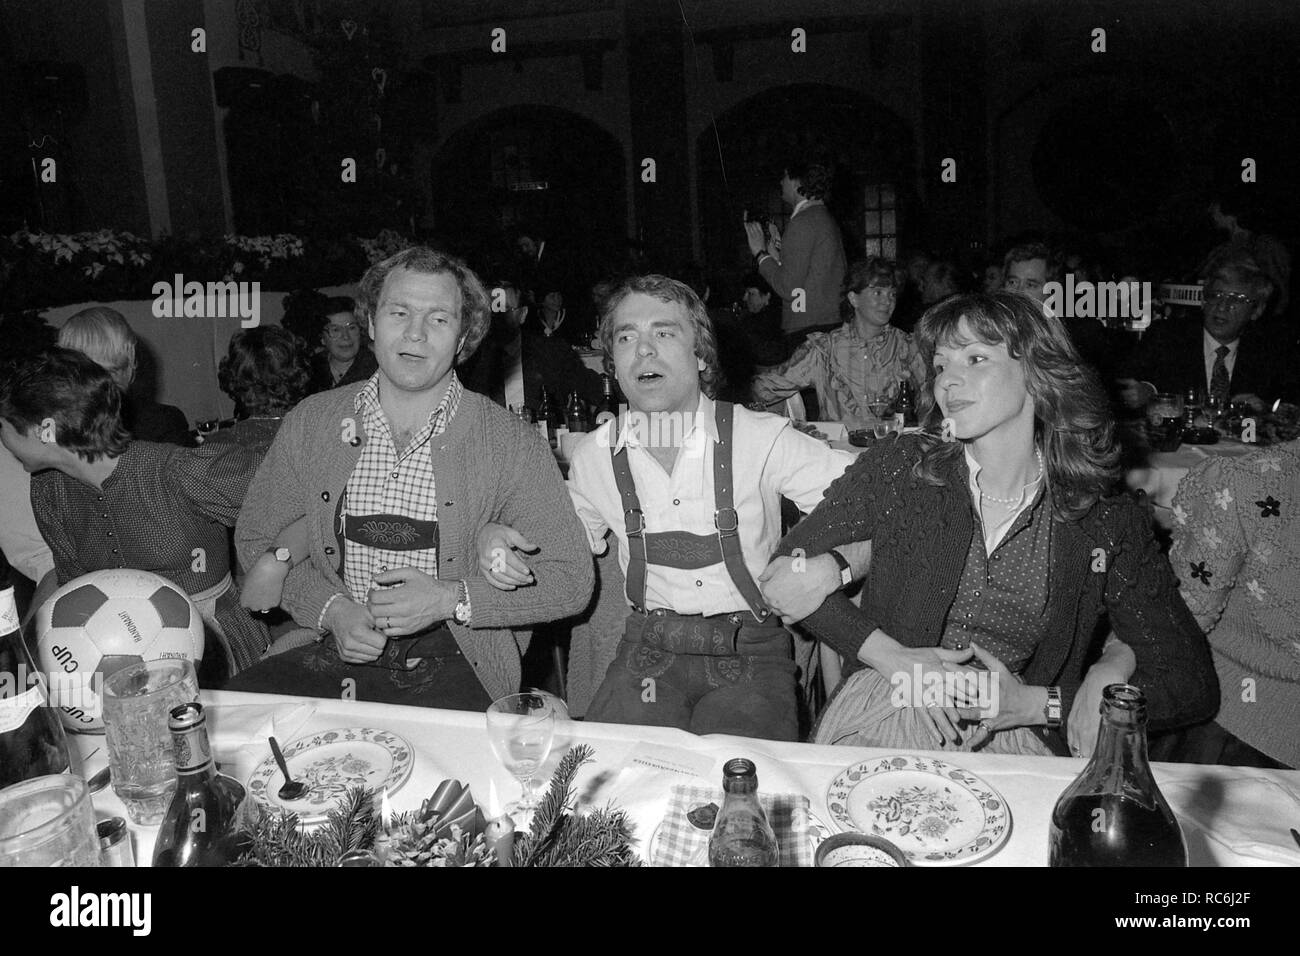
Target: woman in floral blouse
[1237, 552]
[864, 358]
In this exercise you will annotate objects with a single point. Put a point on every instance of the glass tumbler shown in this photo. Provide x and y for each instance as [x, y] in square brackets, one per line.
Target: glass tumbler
[137, 700]
[48, 821]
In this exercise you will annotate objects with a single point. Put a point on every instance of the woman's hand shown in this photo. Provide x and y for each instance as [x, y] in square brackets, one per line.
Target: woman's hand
[1115, 666]
[1007, 701]
[916, 675]
[504, 569]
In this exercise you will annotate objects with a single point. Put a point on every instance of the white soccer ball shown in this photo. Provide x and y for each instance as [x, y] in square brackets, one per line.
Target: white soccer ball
[106, 620]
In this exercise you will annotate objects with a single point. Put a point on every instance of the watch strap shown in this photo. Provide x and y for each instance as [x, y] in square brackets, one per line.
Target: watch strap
[846, 572]
[1053, 710]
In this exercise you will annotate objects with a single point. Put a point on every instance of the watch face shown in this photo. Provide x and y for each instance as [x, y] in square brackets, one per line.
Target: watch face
[283, 554]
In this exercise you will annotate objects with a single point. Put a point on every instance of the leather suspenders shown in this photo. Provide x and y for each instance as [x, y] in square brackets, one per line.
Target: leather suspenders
[726, 544]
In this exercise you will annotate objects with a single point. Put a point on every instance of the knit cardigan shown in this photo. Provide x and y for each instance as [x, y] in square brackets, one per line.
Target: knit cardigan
[1106, 564]
[489, 466]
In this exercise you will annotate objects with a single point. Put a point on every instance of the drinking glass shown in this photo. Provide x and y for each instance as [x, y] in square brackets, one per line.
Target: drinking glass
[137, 700]
[1165, 405]
[882, 429]
[880, 404]
[521, 728]
[48, 821]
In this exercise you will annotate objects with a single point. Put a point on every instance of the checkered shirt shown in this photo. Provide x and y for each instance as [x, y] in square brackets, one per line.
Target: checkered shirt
[385, 481]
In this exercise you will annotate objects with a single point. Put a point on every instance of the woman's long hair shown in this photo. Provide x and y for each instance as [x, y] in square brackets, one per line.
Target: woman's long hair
[1072, 421]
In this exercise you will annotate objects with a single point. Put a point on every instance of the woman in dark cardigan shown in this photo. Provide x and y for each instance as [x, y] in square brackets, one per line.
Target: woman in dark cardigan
[996, 546]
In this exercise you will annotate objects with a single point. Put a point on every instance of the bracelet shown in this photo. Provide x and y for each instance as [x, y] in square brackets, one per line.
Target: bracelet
[320, 621]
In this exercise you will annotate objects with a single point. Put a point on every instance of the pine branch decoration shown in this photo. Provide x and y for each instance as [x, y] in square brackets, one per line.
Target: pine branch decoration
[277, 840]
[560, 836]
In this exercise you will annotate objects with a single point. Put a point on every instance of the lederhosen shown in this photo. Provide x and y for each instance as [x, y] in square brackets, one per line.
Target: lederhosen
[744, 656]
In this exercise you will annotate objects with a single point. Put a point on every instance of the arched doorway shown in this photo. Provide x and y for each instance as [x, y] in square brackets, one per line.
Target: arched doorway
[874, 156]
[536, 167]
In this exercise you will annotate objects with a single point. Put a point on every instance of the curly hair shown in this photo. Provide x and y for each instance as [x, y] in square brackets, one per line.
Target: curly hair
[673, 292]
[1072, 421]
[475, 305]
[264, 371]
[814, 174]
[75, 392]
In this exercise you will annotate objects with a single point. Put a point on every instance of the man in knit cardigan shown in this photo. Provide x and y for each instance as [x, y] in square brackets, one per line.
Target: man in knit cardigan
[394, 477]
[806, 265]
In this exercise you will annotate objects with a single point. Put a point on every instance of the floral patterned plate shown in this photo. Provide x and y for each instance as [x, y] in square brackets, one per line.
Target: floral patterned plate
[934, 812]
[330, 763]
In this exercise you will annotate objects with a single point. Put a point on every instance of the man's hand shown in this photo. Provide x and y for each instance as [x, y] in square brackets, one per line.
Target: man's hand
[353, 628]
[418, 601]
[794, 587]
[504, 569]
[773, 241]
[263, 585]
[754, 234]
[908, 667]
[1115, 666]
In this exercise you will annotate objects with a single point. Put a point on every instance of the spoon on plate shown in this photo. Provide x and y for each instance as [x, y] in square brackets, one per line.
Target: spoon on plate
[292, 789]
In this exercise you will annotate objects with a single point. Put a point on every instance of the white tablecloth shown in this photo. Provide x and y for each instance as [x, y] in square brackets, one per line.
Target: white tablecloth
[1230, 816]
[1160, 478]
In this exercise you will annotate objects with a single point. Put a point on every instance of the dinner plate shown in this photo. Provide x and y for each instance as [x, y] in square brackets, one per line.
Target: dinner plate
[331, 763]
[937, 814]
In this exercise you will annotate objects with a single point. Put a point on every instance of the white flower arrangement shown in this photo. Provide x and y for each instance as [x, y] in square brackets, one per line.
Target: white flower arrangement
[102, 247]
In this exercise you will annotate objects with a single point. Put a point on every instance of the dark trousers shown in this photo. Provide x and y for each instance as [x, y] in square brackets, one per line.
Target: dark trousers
[442, 678]
[725, 674]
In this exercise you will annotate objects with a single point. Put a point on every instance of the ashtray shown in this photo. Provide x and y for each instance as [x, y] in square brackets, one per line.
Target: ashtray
[859, 849]
[862, 437]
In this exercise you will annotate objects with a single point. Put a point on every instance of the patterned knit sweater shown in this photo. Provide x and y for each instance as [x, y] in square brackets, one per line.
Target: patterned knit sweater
[1237, 552]
[1106, 564]
[489, 467]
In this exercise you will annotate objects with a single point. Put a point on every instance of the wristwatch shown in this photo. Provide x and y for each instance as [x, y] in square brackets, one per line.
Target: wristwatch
[461, 613]
[846, 572]
[1052, 711]
[283, 555]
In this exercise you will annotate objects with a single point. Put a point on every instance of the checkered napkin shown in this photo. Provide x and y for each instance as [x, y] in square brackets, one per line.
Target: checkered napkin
[680, 843]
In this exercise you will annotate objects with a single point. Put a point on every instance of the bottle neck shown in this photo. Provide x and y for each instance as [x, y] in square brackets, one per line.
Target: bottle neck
[194, 753]
[1122, 744]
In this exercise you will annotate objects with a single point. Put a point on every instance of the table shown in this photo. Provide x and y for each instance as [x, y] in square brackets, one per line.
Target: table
[1230, 816]
[1164, 470]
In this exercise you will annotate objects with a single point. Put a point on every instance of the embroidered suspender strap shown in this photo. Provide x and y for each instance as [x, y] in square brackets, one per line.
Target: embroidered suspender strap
[727, 521]
[634, 522]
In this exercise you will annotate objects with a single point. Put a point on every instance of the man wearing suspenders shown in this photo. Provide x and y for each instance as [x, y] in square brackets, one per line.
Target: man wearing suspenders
[691, 489]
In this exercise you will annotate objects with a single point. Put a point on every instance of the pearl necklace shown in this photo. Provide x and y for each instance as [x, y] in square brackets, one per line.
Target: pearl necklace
[1012, 502]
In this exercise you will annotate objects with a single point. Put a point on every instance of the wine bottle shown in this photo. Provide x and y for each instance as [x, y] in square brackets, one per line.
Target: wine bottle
[606, 410]
[576, 415]
[1114, 814]
[741, 834]
[203, 825]
[32, 739]
[906, 405]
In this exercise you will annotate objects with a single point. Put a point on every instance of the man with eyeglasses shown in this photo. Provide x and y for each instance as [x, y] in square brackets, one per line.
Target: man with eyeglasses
[1223, 356]
[347, 359]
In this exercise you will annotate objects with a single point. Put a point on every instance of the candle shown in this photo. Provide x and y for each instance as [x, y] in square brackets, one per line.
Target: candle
[383, 838]
[499, 835]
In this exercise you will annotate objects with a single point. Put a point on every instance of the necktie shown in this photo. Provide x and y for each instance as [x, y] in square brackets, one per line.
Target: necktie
[1219, 377]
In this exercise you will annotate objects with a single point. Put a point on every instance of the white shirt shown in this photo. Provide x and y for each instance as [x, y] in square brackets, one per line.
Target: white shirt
[769, 459]
[20, 539]
[802, 204]
[995, 529]
[1211, 345]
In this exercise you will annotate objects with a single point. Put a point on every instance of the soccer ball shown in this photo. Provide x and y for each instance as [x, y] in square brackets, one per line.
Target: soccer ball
[106, 620]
